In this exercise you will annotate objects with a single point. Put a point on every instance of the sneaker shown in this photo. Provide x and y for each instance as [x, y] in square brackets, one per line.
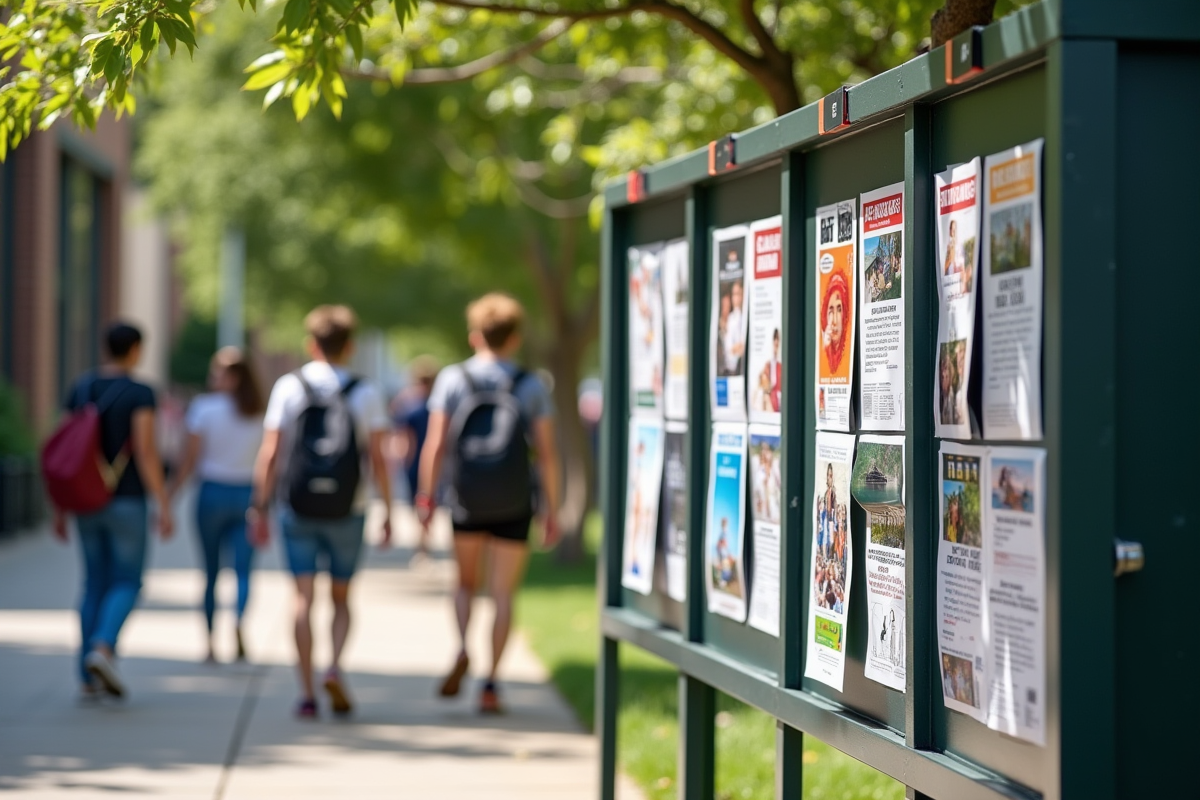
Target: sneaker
[100, 667]
[489, 699]
[453, 682]
[338, 699]
[307, 709]
[241, 645]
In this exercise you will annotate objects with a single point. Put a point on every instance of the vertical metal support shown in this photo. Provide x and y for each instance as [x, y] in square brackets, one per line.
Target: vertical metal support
[789, 742]
[697, 739]
[920, 454]
[608, 693]
[1080, 411]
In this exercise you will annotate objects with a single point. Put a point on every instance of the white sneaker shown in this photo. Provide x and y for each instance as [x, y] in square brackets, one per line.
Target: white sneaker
[103, 670]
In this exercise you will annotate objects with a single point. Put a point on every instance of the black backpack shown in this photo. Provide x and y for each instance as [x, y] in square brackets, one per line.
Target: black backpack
[491, 476]
[323, 466]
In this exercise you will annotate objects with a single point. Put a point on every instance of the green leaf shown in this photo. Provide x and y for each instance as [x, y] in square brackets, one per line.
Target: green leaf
[183, 32]
[302, 102]
[355, 38]
[100, 54]
[295, 14]
[267, 76]
[146, 38]
[273, 94]
[168, 35]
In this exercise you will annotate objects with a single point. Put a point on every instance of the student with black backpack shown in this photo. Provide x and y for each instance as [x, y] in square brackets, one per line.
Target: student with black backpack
[484, 415]
[323, 431]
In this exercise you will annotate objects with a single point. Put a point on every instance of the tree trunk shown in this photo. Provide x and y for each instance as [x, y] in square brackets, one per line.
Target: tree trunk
[957, 16]
[563, 357]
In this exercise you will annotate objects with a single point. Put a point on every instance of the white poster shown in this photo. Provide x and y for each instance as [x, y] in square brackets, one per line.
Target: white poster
[675, 509]
[727, 340]
[766, 494]
[1015, 565]
[960, 580]
[877, 483]
[645, 328]
[881, 369]
[724, 540]
[837, 235]
[958, 201]
[641, 502]
[766, 322]
[831, 561]
[676, 267]
[1012, 294]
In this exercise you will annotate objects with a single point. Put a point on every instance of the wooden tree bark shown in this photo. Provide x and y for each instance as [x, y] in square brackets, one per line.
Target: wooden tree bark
[957, 16]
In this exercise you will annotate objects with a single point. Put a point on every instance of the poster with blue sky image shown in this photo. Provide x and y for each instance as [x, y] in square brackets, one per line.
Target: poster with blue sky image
[725, 522]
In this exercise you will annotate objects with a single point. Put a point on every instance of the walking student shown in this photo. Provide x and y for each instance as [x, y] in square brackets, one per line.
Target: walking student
[412, 426]
[322, 434]
[113, 537]
[484, 414]
[224, 433]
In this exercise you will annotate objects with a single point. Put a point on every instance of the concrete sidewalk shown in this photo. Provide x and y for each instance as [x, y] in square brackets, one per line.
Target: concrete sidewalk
[224, 732]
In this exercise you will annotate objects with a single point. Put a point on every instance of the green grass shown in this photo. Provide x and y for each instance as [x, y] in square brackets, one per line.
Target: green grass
[557, 611]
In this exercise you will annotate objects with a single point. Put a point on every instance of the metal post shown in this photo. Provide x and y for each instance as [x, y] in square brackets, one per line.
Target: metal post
[231, 326]
[697, 739]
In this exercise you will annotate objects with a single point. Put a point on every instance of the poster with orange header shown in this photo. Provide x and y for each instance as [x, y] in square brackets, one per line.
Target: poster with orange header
[837, 238]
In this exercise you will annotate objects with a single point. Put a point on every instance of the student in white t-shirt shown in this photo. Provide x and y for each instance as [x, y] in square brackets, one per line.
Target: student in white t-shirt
[224, 433]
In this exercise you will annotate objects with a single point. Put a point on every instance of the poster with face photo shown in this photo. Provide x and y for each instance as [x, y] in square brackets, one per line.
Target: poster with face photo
[958, 200]
[645, 328]
[675, 509]
[676, 268]
[725, 522]
[727, 340]
[837, 237]
[832, 560]
[765, 473]
[765, 376]
[641, 502]
[881, 365]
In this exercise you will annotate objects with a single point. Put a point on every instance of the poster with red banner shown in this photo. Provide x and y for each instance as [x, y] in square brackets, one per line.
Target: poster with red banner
[765, 363]
[835, 245]
[881, 266]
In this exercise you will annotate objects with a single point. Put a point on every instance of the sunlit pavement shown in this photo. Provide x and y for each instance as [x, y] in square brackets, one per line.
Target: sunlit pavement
[191, 730]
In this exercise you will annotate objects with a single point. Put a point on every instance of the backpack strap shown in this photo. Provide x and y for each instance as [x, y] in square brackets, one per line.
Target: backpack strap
[309, 392]
[350, 386]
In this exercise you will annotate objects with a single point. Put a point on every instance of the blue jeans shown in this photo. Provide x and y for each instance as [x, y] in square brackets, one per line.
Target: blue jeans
[221, 523]
[113, 543]
[335, 543]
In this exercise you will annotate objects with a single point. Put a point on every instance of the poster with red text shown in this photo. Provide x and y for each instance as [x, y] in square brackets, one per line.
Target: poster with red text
[881, 368]
[837, 234]
[765, 374]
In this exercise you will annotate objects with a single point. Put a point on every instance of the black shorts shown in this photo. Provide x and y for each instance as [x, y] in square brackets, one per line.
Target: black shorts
[516, 531]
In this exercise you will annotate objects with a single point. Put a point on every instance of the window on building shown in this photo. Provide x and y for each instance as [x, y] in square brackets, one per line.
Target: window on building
[79, 274]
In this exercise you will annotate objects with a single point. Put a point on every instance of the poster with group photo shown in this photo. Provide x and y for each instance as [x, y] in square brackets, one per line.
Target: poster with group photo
[1012, 294]
[645, 328]
[881, 368]
[676, 267]
[725, 522]
[831, 562]
[765, 374]
[641, 502]
[675, 509]
[727, 341]
[877, 483]
[836, 265]
[765, 473]
[958, 202]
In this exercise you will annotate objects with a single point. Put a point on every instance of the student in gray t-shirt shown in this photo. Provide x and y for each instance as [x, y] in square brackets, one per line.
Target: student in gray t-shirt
[494, 322]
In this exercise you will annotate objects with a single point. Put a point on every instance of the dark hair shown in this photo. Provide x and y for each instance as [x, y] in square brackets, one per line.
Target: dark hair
[247, 392]
[121, 338]
[332, 328]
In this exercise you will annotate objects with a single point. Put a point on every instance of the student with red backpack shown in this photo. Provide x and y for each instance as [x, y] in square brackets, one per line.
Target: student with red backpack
[99, 466]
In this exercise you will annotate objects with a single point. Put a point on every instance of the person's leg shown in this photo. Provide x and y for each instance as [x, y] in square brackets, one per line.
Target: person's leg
[243, 555]
[468, 551]
[127, 535]
[508, 558]
[344, 540]
[303, 634]
[209, 521]
[300, 547]
[95, 581]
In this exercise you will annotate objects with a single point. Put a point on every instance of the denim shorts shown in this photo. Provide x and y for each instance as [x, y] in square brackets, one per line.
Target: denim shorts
[333, 545]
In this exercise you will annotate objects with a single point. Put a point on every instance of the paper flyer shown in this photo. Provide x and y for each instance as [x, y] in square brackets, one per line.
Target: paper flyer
[727, 341]
[881, 369]
[766, 493]
[675, 509]
[676, 267]
[641, 502]
[1012, 294]
[724, 542]
[836, 264]
[831, 561]
[877, 483]
[1015, 565]
[960, 579]
[765, 373]
[645, 328]
[958, 202]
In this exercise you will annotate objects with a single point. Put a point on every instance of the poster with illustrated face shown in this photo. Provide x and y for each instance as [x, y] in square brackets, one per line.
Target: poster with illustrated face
[831, 566]
[881, 363]
[675, 509]
[641, 502]
[725, 522]
[727, 339]
[645, 328]
[676, 269]
[765, 375]
[836, 268]
[765, 473]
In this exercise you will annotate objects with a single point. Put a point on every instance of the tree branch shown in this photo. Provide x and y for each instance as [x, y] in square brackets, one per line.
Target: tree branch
[553, 207]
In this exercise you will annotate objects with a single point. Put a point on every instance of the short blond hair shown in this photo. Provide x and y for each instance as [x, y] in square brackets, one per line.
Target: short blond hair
[332, 328]
[497, 316]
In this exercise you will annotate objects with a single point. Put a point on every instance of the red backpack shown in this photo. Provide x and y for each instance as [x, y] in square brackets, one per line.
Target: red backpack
[78, 477]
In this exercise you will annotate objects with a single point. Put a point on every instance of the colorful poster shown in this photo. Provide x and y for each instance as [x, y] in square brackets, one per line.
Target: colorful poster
[724, 541]
[958, 202]
[960, 580]
[676, 268]
[645, 328]
[1012, 294]
[831, 561]
[881, 370]
[836, 263]
[727, 341]
[1015, 566]
[877, 483]
[675, 509]
[766, 322]
[641, 502]
[765, 473]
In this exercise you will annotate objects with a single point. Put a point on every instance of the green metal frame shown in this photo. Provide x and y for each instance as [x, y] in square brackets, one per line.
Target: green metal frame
[1080, 74]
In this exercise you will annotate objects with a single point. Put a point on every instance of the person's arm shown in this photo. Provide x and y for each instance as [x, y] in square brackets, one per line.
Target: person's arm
[380, 470]
[264, 487]
[149, 467]
[431, 465]
[545, 441]
[191, 454]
